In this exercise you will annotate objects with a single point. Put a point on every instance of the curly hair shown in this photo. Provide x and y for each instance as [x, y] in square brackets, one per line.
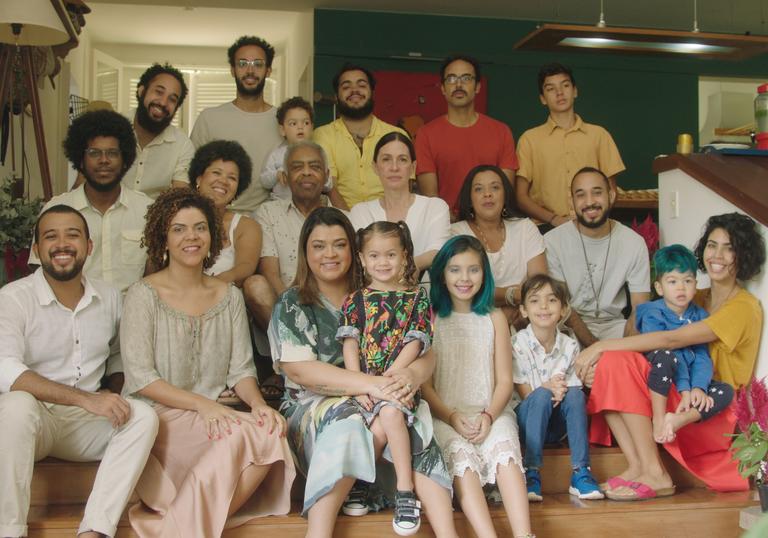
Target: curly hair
[397, 229]
[290, 104]
[551, 70]
[166, 69]
[467, 212]
[159, 216]
[244, 41]
[227, 151]
[747, 243]
[464, 58]
[349, 66]
[88, 126]
[305, 281]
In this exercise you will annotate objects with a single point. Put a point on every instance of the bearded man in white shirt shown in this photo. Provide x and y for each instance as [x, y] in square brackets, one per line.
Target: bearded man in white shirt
[58, 341]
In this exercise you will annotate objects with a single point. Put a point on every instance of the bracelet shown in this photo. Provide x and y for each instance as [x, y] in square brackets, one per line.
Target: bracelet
[509, 296]
[452, 413]
[485, 412]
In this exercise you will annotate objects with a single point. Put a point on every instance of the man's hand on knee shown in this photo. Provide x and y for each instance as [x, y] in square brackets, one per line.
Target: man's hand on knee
[109, 405]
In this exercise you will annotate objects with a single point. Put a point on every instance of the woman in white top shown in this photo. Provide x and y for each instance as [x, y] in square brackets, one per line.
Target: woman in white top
[394, 161]
[514, 245]
[221, 171]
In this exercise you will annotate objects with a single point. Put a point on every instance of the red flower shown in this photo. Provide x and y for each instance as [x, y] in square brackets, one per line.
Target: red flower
[649, 231]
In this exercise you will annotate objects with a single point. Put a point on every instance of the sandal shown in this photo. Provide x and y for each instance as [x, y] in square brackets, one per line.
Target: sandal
[272, 388]
[637, 491]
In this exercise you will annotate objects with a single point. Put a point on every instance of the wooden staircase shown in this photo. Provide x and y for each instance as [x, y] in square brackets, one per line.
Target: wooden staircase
[60, 489]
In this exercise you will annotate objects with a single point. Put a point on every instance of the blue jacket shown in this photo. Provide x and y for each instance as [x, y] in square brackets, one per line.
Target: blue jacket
[694, 368]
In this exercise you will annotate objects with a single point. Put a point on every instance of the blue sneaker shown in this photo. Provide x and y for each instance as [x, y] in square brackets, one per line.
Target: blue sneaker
[533, 485]
[584, 485]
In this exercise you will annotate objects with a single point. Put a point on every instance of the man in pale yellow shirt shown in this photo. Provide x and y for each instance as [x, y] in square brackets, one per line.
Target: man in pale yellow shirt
[349, 141]
[550, 154]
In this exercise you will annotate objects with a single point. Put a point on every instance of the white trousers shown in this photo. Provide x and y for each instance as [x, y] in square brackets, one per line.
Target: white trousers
[31, 430]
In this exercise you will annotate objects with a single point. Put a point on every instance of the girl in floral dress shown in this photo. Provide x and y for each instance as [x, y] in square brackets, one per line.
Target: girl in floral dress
[385, 326]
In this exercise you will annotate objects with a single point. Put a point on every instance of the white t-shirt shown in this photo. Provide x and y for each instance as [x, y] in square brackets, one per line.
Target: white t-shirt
[510, 263]
[627, 263]
[257, 132]
[428, 221]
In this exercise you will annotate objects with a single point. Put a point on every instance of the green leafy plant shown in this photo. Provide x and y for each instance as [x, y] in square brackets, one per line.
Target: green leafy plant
[17, 218]
[750, 446]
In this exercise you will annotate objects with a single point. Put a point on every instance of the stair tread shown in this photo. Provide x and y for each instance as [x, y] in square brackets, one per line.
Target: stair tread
[68, 515]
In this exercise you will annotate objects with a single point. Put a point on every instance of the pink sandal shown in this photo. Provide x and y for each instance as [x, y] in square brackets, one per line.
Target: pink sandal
[637, 491]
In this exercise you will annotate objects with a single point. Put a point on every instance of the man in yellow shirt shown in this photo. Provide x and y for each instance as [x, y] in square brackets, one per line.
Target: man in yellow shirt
[349, 141]
[550, 154]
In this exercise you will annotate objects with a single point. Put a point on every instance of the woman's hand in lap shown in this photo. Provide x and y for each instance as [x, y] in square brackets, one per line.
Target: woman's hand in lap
[269, 418]
[404, 385]
[464, 425]
[366, 401]
[586, 361]
[218, 419]
[483, 423]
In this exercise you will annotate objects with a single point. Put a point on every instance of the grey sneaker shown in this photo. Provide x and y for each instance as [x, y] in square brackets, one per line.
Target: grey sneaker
[407, 518]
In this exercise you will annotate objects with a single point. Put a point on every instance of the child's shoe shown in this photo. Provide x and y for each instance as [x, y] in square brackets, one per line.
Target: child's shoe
[584, 485]
[407, 518]
[356, 503]
[533, 484]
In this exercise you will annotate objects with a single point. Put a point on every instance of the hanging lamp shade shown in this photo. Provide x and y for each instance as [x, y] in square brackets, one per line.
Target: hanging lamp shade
[39, 20]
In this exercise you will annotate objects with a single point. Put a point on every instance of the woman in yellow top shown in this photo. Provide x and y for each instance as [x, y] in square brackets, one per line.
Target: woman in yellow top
[731, 251]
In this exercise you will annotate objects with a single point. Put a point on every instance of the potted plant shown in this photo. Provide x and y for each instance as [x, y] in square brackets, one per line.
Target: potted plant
[750, 445]
[17, 220]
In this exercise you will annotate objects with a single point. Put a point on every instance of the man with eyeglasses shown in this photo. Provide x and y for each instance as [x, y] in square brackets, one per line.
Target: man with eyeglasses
[449, 146]
[101, 146]
[553, 152]
[350, 140]
[248, 119]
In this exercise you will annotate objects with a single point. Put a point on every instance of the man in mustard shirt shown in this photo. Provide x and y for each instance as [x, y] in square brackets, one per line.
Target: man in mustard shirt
[550, 154]
[349, 141]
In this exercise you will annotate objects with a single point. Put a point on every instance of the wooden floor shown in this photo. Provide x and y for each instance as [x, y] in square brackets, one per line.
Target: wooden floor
[60, 490]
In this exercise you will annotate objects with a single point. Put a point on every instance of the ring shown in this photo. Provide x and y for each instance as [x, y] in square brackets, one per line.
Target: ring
[213, 420]
[408, 387]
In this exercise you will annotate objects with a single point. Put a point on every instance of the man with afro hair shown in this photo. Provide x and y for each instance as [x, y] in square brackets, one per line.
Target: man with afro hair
[101, 146]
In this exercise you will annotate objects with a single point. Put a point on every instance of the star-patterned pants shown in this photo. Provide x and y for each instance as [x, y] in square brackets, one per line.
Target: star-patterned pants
[662, 375]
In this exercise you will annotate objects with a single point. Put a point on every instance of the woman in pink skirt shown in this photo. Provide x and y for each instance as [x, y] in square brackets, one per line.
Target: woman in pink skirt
[184, 339]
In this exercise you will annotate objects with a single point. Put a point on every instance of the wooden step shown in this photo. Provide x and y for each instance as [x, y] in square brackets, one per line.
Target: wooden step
[692, 513]
[61, 482]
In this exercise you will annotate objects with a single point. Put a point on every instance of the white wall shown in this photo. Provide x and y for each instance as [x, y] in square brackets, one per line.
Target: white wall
[696, 204]
[727, 103]
[298, 53]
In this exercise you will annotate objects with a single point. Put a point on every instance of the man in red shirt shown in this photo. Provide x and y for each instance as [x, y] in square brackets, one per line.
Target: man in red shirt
[448, 147]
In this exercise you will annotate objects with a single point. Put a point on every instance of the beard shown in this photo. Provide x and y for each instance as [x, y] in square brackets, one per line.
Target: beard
[63, 275]
[250, 92]
[148, 122]
[592, 224]
[104, 187]
[355, 113]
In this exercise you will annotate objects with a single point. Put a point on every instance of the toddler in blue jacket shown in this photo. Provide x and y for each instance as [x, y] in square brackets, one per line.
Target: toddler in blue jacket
[688, 368]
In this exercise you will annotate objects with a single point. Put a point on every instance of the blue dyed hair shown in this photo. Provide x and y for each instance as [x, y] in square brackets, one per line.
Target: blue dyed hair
[674, 258]
[482, 302]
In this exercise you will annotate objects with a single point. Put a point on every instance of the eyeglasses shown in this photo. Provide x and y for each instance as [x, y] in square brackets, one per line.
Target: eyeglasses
[98, 154]
[466, 78]
[243, 63]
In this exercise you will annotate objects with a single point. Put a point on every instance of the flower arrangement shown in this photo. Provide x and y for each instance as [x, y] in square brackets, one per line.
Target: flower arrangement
[649, 231]
[750, 446]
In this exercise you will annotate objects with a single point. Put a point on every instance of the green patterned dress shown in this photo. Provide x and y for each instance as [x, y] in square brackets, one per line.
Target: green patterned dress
[329, 437]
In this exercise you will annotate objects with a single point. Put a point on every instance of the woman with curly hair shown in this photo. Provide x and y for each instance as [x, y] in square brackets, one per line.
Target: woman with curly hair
[221, 171]
[731, 251]
[184, 340]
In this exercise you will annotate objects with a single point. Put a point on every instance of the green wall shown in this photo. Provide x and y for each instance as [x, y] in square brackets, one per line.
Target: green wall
[643, 101]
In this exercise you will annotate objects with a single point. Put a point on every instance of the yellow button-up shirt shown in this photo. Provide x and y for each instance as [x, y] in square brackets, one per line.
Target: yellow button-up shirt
[549, 156]
[356, 180]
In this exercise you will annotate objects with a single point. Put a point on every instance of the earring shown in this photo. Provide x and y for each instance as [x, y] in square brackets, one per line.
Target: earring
[472, 213]
[504, 213]
[165, 257]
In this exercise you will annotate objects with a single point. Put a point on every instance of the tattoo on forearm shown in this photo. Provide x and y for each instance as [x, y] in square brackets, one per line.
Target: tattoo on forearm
[325, 390]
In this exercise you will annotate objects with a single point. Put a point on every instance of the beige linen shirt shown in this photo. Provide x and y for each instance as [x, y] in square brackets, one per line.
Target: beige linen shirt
[117, 257]
[549, 156]
[166, 158]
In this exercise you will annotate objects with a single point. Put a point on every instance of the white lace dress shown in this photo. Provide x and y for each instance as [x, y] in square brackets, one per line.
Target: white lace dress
[464, 379]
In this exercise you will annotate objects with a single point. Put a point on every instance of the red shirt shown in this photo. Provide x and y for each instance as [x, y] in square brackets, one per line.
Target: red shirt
[451, 152]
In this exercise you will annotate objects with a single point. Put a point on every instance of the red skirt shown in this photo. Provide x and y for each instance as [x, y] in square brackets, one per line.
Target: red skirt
[703, 448]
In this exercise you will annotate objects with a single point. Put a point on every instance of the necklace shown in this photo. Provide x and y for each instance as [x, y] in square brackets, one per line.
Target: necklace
[596, 292]
[484, 240]
[712, 307]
